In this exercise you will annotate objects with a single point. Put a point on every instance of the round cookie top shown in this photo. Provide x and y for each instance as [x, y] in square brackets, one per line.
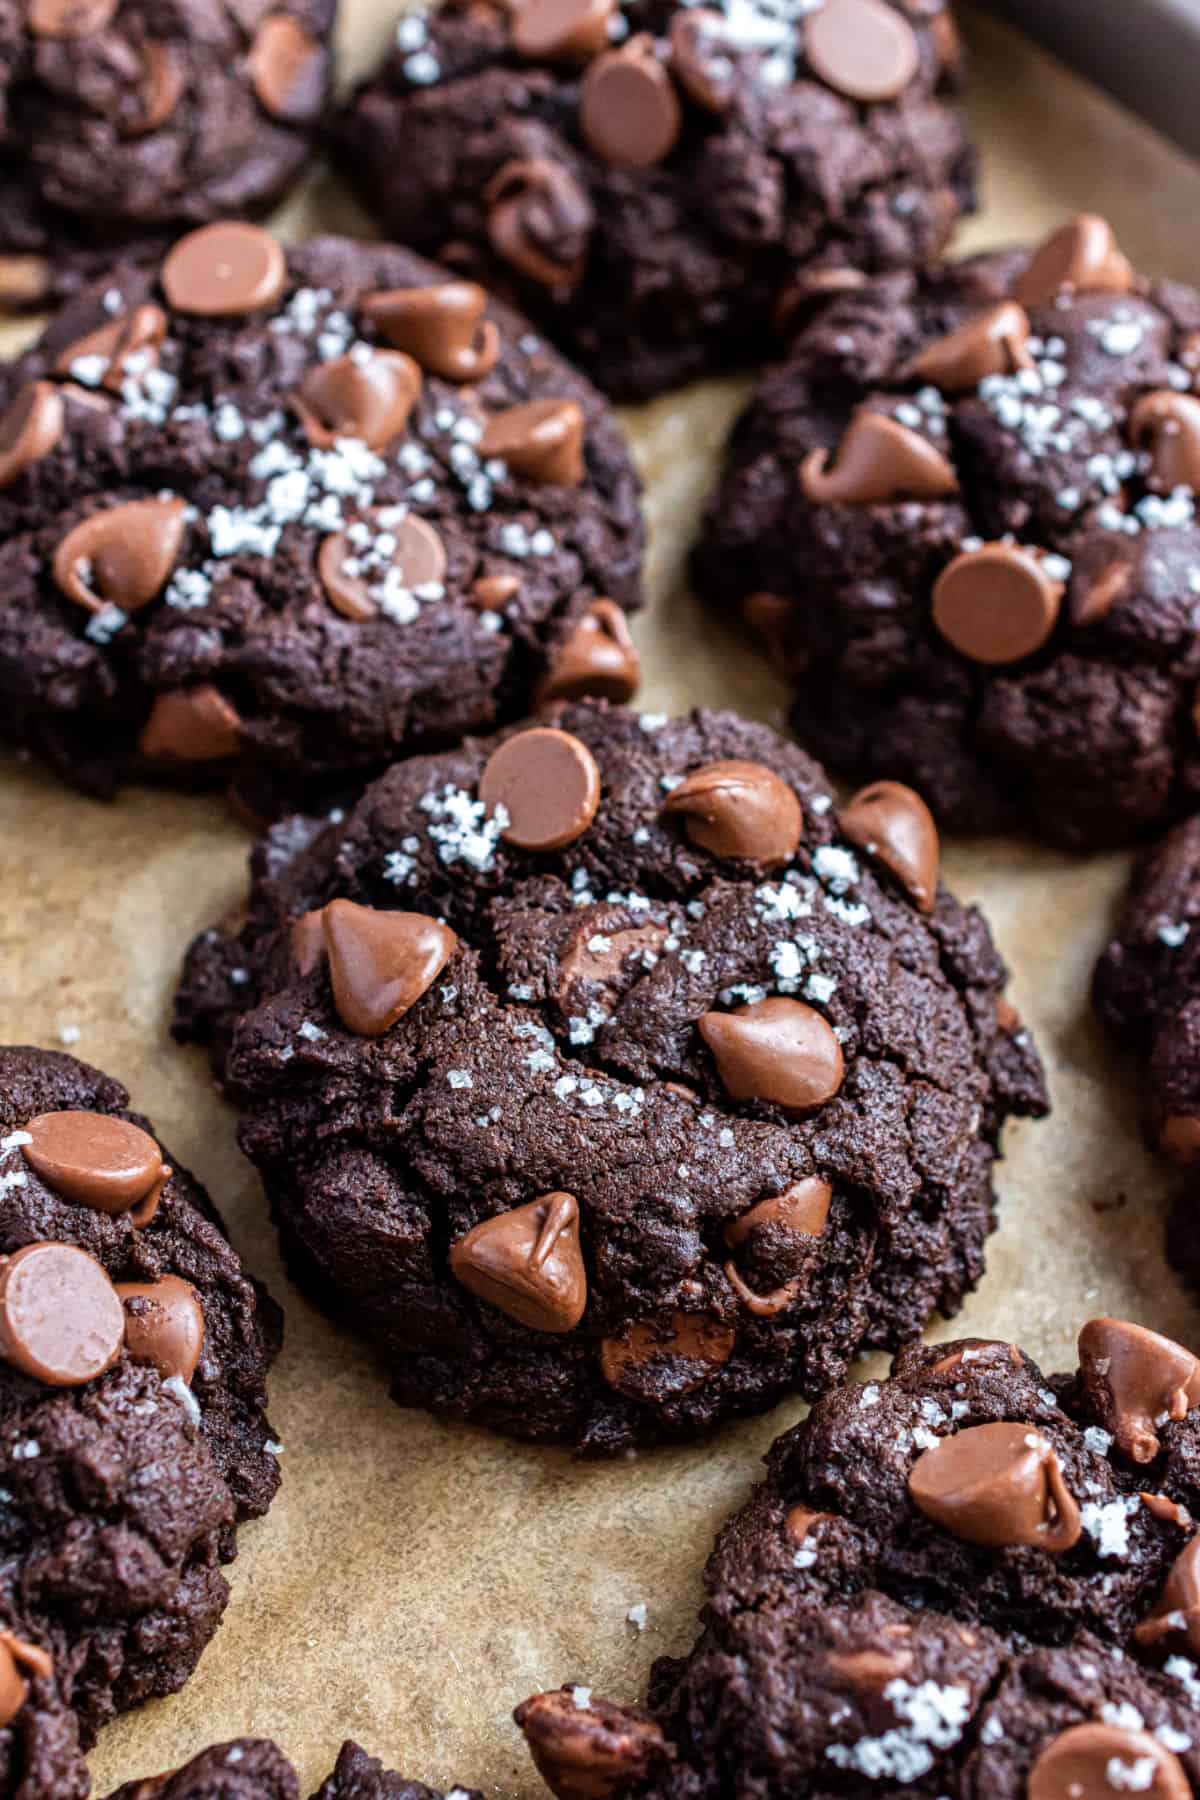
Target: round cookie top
[287, 513]
[256, 1769]
[664, 184]
[962, 512]
[125, 121]
[649, 1087]
[967, 1581]
[133, 1440]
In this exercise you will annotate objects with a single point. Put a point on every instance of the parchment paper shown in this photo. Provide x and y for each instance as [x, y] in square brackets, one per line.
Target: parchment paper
[416, 1579]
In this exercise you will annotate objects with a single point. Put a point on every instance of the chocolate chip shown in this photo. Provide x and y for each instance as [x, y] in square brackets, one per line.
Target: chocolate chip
[992, 1350]
[1175, 1620]
[776, 1050]
[597, 953]
[1179, 1134]
[703, 58]
[17, 1656]
[224, 269]
[540, 439]
[539, 220]
[878, 459]
[588, 1752]
[862, 49]
[29, 430]
[159, 90]
[1136, 1380]
[763, 1306]
[70, 18]
[164, 1325]
[94, 1160]
[992, 343]
[1076, 1765]
[376, 562]
[139, 333]
[739, 810]
[60, 1319]
[191, 725]
[442, 327]
[629, 113]
[306, 941]
[122, 556]
[1168, 1511]
[801, 1210]
[368, 398]
[895, 827]
[799, 1521]
[655, 1359]
[1167, 424]
[380, 963]
[998, 1485]
[548, 784]
[287, 68]
[566, 31]
[870, 1671]
[1093, 597]
[997, 604]
[490, 592]
[597, 659]
[528, 1263]
[1082, 256]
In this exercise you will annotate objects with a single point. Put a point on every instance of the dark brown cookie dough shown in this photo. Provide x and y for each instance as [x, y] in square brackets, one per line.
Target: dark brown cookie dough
[962, 515]
[284, 514]
[124, 122]
[133, 1440]
[663, 186]
[608, 1141]
[968, 1582]
[256, 1769]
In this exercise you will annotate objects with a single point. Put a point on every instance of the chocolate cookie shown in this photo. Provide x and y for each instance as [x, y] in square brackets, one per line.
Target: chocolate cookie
[665, 185]
[965, 1583]
[962, 514]
[286, 513]
[612, 1082]
[256, 1769]
[123, 122]
[133, 1441]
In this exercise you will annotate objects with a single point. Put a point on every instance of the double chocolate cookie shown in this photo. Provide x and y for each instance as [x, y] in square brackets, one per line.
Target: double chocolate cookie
[969, 1582]
[123, 122]
[610, 1079]
[256, 1769]
[665, 185]
[962, 514]
[283, 514]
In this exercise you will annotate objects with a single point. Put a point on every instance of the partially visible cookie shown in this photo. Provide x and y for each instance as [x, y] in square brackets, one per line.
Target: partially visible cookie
[610, 1079]
[961, 514]
[969, 1582]
[124, 122]
[133, 1437]
[256, 1769]
[664, 186]
[281, 515]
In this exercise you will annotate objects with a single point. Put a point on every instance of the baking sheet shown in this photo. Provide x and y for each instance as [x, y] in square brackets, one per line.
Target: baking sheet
[416, 1579]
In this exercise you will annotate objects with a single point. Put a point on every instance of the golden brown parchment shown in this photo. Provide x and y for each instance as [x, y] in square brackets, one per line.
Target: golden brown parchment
[416, 1579]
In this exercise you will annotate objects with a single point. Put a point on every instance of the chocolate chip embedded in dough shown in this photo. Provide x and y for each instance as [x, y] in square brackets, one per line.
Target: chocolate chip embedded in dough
[740, 811]
[122, 556]
[287, 67]
[1175, 1620]
[548, 784]
[61, 1321]
[877, 461]
[31, 426]
[1080, 256]
[561, 31]
[442, 327]
[159, 90]
[650, 1358]
[366, 397]
[998, 1485]
[191, 725]
[1166, 424]
[1077, 1764]
[629, 112]
[703, 59]
[380, 963]
[998, 603]
[1137, 1381]
[993, 342]
[540, 439]
[164, 1325]
[360, 568]
[18, 1660]
[93, 1159]
[139, 334]
[70, 18]
[598, 658]
[863, 49]
[528, 1262]
[776, 1050]
[588, 1751]
[225, 269]
[539, 220]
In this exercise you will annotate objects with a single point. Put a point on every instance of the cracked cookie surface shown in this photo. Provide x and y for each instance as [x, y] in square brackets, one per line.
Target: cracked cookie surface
[256, 1769]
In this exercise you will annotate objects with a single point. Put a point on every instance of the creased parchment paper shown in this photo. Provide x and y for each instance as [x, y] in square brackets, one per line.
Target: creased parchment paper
[414, 1579]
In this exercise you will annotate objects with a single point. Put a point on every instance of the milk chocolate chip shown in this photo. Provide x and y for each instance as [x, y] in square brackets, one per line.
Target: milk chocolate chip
[60, 1319]
[561, 31]
[380, 963]
[997, 604]
[1081, 256]
[541, 439]
[802, 1209]
[31, 427]
[164, 1325]
[862, 49]
[192, 725]
[442, 327]
[598, 658]
[139, 333]
[18, 1659]
[629, 113]
[777, 1050]
[877, 460]
[287, 68]
[92, 1159]
[739, 810]
[1077, 1766]
[799, 1521]
[222, 270]
[992, 343]
[158, 92]
[364, 397]
[588, 1752]
[548, 784]
[528, 1263]
[1167, 424]
[893, 824]
[539, 220]
[1176, 1618]
[362, 567]
[70, 18]
[1136, 1380]
[122, 556]
[1094, 596]
[998, 1485]
[652, 1359]
[702, 58]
